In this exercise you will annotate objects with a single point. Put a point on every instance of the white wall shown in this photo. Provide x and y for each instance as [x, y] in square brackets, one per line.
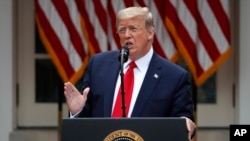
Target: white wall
[244, 64]
[6, 69]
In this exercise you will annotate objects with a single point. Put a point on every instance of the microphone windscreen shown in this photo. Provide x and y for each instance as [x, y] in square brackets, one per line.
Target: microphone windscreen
[124, 52]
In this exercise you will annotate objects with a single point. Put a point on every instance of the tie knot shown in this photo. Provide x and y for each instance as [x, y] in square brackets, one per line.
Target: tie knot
[132, 64]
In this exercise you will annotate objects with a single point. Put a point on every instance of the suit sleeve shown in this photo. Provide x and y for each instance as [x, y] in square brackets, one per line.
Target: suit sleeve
[183, 103]
[85, 82]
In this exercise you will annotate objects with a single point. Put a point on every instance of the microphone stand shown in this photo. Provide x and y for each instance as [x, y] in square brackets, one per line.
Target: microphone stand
[122, 85]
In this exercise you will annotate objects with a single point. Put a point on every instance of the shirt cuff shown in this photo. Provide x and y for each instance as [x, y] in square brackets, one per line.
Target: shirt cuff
[75, 115]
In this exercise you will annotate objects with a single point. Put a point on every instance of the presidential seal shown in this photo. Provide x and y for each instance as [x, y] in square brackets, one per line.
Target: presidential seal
[123, 135]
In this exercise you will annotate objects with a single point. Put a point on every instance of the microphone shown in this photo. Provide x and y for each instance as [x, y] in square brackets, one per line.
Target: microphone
[123, 57]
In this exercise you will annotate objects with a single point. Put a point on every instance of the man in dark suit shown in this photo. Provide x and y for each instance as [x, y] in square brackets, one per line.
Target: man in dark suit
[161, 88]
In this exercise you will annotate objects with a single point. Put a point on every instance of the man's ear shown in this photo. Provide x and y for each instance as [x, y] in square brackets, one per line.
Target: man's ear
[151, 34]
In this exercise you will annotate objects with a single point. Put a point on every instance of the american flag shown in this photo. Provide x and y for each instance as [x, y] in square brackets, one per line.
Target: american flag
[197, 30]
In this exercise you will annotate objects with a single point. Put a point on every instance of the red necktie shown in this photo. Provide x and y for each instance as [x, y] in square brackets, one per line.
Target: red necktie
[128, 87]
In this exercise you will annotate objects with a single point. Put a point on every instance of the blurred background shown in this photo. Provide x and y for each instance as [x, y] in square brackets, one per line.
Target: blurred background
[44, 43]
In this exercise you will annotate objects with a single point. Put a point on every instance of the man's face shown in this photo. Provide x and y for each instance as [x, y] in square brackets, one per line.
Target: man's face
[133, 33]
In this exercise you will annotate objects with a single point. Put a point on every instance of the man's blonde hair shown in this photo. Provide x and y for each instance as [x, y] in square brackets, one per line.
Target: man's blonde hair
[131, 12]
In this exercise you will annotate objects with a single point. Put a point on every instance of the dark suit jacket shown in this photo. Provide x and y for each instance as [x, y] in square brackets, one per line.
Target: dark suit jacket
[165, 96]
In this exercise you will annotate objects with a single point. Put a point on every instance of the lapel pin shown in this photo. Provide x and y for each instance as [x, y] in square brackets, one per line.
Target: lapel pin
[156, 76]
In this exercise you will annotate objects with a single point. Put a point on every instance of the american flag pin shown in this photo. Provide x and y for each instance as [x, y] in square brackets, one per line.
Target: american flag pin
[155, 75]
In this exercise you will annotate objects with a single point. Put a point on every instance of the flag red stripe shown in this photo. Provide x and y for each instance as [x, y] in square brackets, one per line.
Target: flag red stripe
[158, 49]
[54, 41]
[81, 8]
[63, 11]
[128, 3]
[221, 17]
[112, 16]
[184, 35]
[156, 44]
[101, 13]
[204, 34]
[161, 6]
[141, 3]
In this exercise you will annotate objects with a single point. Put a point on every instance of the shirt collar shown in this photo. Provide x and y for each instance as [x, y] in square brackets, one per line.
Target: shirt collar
[143, 62]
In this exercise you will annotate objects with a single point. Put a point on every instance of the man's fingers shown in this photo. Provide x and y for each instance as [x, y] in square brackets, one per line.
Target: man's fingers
[70, 90]
[72, 87]
[86, 91]
[190, 127]
[67, 90]
[66, 87]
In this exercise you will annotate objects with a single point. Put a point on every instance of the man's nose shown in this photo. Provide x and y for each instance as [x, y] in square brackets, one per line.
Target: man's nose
[127, 33]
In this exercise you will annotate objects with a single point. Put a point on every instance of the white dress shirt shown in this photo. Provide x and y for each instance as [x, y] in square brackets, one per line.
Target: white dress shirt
[139, 74]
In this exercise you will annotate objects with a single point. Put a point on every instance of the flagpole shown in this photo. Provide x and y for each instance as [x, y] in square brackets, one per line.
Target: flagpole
[195, 96]
[60, 103]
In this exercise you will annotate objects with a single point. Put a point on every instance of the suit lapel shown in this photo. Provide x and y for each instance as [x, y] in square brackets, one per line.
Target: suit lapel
[110, 82]
[151, 80]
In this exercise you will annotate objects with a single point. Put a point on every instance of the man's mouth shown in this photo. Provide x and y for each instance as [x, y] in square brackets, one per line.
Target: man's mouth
[128, 44]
